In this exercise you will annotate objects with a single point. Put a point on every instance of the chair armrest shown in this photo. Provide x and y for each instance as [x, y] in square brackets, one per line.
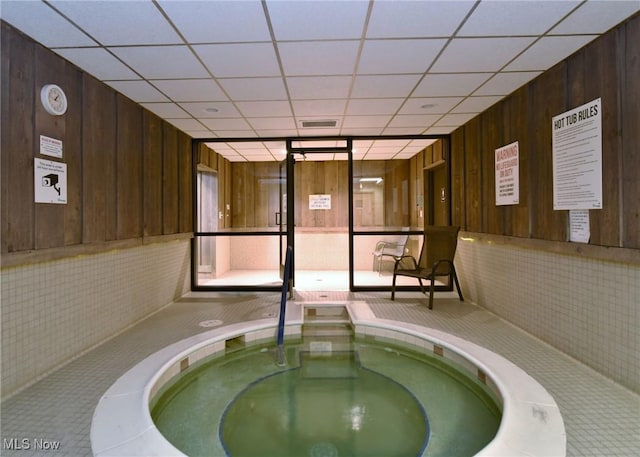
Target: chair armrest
[401, 258]
[436, 265]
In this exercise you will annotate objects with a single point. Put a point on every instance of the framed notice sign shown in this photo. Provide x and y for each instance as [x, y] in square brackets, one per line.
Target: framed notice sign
[50, 181]
[508, 175]
[577, 158]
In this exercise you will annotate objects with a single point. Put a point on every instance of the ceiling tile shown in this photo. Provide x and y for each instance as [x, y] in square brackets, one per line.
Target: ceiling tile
[112, 25]
[407, 19]
[454, 120]
[402, 131]
[362, 131]
[239, 59]
[186, 124]
[596, 17]
[460, 84]
[398, 56]
[226, 124]
[218, 21]
[319, 57]
[316, 20]
[318, 132]
[43, 24]
[264, 109]
[254, 88]
[98, 62]
[382, 86]
[314, 144]
[414, 120]
[277, 133]
[311, 107]
[199, 133]
[434, 105]
[150, 61]
[521, 17]
[547, 52]
[390, 143]
[476, 104]
[186, 90]
[211, 109]
[234, 133]
[479, 54]
[166, 110]
[318, 87]
[506, 82]
[362, 144]
[268, 123]
[374, 106]
[365, 121]
[138, 91]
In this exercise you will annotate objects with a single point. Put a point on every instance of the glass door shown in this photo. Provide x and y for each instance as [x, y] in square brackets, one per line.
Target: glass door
[283, 215]
[319, 214]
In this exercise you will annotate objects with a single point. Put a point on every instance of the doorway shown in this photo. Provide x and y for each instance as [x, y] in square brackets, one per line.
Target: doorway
[317, 216]
[438, 194]
[207, 212]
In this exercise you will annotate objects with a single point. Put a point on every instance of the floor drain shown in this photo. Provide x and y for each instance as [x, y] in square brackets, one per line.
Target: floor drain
[211, 323]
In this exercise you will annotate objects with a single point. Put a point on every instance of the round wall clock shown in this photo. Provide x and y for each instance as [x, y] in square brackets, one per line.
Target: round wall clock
[53, 99]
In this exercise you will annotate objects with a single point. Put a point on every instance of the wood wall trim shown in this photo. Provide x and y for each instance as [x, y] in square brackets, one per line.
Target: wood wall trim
[23, 258]
[584, 251]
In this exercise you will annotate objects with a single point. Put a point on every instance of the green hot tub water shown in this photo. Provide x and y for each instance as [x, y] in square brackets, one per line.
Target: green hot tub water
[370, 399]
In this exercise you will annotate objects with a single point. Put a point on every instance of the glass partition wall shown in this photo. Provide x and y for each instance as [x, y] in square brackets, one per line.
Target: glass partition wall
[348, 208]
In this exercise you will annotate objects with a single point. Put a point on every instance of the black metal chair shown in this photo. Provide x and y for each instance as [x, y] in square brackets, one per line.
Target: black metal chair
[436, 260]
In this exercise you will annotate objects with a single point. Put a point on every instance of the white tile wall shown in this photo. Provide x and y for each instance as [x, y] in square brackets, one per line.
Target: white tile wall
[587, 308]
[54, 311]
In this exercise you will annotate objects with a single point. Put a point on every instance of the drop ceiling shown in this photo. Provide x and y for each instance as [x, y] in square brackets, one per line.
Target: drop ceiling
[260, 70]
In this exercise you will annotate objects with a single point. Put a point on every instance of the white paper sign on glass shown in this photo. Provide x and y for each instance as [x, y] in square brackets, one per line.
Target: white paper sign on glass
[319, 201]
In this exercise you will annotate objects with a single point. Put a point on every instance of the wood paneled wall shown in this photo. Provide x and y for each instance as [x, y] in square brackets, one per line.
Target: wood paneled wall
[607, 68]
[255, 191]
[129, 174]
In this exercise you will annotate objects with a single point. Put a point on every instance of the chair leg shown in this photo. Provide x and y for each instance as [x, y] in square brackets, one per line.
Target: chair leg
[455, 279]
[431, 289]
[393, 287]
[421, 286]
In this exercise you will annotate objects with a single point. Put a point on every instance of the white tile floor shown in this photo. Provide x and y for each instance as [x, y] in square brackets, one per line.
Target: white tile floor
[601, 417]
[308, 280]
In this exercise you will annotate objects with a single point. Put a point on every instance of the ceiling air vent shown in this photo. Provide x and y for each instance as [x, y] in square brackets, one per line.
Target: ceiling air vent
[327, 123]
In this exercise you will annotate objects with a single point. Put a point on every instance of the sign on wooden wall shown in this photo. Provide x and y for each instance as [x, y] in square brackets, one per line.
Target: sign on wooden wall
[50, 181]
[577, 158]
[508, 175]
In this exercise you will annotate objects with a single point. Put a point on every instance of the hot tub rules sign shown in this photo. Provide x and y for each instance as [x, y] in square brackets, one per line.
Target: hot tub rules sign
[577, 158]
